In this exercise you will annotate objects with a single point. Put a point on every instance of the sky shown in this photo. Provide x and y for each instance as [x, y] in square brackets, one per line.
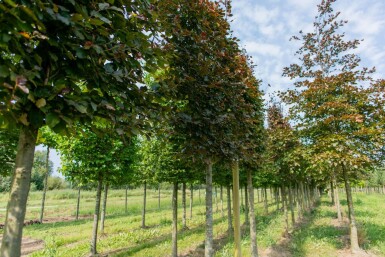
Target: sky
[265, 27]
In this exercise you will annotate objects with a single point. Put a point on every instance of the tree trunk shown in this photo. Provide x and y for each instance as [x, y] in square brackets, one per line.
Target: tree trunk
[184, 224]
[291, 205]
[303, 197]
[96, 217]
[285, 210]
[209, 247]
[241, 194]
[247, 221]
[221, 199]
[337, 201]
[104, 208]
[276, 195]
[191, 199]
[253, 225]
[265, 206]
[175, 220]
[78, 205]
[126, 201]
[144, 205]
[199, 193]
[258, 195]
[354, 247]
[45, 186]
[332, 192]
[299, 201]
[17, 201]
[229, 220]
[236, 209]
[216, 199]
[159, 196]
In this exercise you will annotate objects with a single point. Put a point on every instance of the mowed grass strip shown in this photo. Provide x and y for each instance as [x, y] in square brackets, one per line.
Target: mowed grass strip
[323, 236]
[319, 236]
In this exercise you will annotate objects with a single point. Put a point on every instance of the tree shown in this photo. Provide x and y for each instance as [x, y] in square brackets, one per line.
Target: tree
[332, 109]
[96, 158]
[65, 62]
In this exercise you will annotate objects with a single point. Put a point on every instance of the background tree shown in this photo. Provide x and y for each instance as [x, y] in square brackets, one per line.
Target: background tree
[332, 109]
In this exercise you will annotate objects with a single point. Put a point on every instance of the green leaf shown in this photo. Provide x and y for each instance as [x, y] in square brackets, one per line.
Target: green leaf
[96, 22]
[80, 53]
[103, 6]
[52, 119]
[4, 72]
[40, 103]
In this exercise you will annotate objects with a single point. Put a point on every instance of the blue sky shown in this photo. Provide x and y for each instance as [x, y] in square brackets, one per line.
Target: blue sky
[265, 27]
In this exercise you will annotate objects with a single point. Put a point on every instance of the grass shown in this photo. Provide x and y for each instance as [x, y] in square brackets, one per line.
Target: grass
[321, 237]
[124, 237]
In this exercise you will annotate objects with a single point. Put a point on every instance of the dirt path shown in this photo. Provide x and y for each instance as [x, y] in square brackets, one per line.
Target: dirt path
[29, 245]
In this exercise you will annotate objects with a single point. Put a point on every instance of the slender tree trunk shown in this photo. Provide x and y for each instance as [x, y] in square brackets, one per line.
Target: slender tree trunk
[221, 199]
[144, 205]
[175, 220]
[258, 195]
[17, 201]
[191, 199]
[303, 199]
[104, 209]
[209, 247]
[78, 205]
[45, 186]
[216, 199]
[291, 205]
[253, 225]
[332, 192]
[236, 209]
[285, 210]
[184, 224]
[96, 217]
[265, 206]
[159, 196]
[354, 247]
[229, 220]
[299, 201]
[126, 201]
[337, 201]
[241, 194]
[247, 220]
[199, 193]
[276, 195]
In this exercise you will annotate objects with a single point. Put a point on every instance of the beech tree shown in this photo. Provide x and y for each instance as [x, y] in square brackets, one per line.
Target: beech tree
[88, 157]
[211, 79]
[331, 107]
[63, 62]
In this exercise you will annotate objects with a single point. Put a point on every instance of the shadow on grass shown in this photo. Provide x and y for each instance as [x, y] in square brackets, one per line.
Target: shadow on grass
[130, 251]
[294, 244]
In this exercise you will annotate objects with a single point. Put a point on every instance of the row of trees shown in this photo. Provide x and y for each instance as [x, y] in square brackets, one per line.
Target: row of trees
[160, 91]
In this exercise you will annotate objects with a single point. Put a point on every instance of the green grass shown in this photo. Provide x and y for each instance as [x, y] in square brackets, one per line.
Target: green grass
[124, 237]
[324, 238]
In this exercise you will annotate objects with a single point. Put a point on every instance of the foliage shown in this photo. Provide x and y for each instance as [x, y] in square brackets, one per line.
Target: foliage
[73, 61]
[8, 147]
[213, 83]
[88, 156]
[331, 106]
[39, 169]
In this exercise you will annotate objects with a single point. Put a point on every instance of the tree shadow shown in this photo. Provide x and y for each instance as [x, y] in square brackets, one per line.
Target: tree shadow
[182, 233]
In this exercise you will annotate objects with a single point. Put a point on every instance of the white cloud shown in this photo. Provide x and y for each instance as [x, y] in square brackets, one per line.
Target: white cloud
[263, 49]
[265, 27]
